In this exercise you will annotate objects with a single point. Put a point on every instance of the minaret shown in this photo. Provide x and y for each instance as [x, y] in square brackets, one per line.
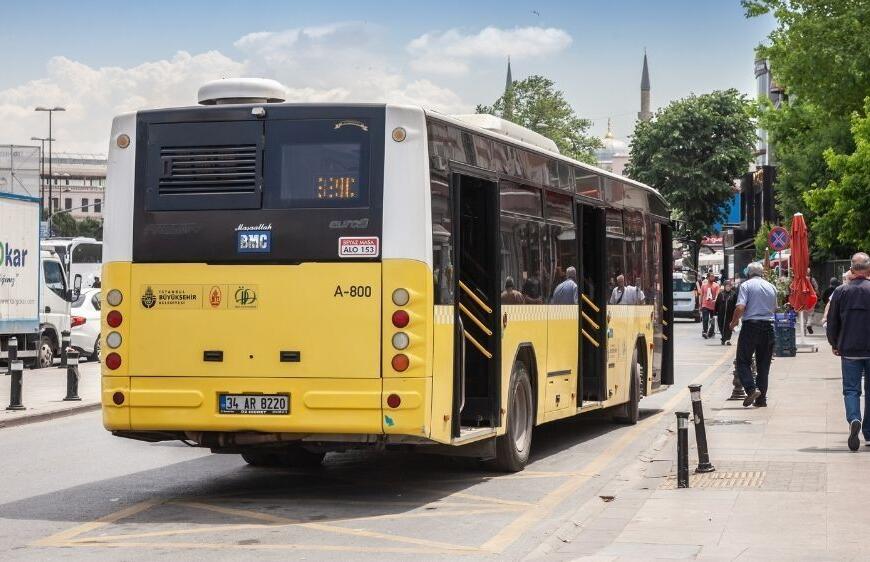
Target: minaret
[509, 81]
[508, 109]
[645, 114]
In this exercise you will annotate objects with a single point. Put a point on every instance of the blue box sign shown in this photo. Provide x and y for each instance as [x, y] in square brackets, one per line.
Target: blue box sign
[254, 241]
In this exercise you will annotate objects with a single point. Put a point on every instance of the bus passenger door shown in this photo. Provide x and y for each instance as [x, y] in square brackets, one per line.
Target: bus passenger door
[477, 372]
[592, 382]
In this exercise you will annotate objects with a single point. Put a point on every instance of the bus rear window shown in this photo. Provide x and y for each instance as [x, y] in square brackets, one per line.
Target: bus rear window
[316, 164]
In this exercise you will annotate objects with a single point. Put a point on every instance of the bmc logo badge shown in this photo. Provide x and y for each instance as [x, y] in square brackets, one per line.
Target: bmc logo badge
[245, 297]
[148, 298]
[215, 297]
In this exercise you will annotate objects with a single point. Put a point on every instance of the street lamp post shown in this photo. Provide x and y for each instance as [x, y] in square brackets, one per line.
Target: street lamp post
[42, 168]
[50, 111]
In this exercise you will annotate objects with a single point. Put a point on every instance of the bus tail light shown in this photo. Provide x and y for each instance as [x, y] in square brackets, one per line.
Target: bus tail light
[113, 340]
[114, 297]
[394, 400]
[401, 297]
[400, 362]
[114, 318]
[77, 321]
[401, 319]
[113, 361]
[401, 340]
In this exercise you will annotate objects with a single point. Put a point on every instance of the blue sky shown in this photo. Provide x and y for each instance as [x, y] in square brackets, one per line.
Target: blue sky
[99, 58]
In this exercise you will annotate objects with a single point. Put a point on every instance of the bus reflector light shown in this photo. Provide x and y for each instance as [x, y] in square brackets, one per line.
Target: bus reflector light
[394, 400]
[400, 319]
[401, 340]
[400, 362]
[113, 361]
[113, 340]
[118, 398]
[114, 318]
[114, 297]
[401, 297]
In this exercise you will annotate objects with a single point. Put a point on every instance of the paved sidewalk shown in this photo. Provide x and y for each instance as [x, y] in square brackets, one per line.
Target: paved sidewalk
[43, 391]
[786, 487]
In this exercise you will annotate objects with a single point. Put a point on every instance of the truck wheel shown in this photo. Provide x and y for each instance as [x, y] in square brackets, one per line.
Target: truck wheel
[44, 353]
[512, 448]
[629, 412]
[95, 355]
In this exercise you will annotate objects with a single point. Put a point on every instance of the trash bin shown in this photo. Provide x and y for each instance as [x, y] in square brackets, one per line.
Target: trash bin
[785, 343]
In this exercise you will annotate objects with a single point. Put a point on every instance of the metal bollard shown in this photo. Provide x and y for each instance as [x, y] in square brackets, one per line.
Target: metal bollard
[700, 432]
[64, 346]
[682, 449]
[16, 370]
[72, 376]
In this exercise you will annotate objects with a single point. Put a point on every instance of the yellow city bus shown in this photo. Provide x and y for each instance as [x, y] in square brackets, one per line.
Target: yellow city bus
[283, 280]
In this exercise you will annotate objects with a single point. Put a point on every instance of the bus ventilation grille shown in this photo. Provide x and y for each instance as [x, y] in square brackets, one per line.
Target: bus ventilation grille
[208, 170]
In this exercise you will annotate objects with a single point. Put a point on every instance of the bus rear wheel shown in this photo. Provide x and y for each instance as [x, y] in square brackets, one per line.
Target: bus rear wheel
[292, 456]
[512, 448]
[629, 412]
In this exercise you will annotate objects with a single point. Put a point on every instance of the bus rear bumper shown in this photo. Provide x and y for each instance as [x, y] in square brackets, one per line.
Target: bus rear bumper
[317, 405]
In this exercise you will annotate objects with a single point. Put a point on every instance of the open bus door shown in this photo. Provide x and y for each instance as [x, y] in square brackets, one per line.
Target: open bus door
[592, 382]
[477, 360]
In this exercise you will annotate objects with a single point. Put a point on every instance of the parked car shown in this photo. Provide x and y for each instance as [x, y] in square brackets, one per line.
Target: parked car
[685, 299]
[85, 322]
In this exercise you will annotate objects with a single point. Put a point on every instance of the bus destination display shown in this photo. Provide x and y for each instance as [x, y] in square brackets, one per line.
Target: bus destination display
[336, 187]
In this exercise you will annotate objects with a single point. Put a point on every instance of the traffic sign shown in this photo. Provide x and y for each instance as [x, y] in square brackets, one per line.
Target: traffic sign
[779, 239]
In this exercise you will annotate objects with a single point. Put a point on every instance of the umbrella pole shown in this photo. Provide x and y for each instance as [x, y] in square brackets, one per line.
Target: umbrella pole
[803, 328]
[802, 345]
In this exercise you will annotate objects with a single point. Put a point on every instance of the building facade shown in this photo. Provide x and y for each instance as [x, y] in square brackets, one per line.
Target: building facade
[78, 183]
[19, 170]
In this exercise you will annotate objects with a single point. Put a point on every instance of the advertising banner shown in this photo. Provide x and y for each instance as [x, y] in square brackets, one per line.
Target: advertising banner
[19, 264]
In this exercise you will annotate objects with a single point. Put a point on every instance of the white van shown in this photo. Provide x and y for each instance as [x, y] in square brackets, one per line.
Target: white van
[685, 297]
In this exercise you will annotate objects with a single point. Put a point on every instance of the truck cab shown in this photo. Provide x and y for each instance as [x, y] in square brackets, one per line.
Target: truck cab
[54, 313]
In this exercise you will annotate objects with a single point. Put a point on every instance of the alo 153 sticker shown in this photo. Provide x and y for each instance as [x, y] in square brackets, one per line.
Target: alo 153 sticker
[359, 247]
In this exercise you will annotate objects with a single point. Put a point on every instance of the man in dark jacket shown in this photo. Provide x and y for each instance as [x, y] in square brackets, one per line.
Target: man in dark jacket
[726, 301]
[848, 334]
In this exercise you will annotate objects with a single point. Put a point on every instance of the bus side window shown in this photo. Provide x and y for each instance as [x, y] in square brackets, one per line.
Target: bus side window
[616, 257]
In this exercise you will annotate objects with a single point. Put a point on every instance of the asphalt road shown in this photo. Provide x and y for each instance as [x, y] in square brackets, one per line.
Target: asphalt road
[71, 490]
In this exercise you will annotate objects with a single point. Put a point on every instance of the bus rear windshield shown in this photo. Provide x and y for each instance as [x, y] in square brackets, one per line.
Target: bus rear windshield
[298, 180]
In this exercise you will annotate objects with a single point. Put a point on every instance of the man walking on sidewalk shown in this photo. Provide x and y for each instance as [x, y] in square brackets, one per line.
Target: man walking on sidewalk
[756, 303]
[849, 336]
[709, 291]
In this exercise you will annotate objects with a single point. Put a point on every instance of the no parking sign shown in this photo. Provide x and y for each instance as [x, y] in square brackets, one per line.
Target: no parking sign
[779, 239]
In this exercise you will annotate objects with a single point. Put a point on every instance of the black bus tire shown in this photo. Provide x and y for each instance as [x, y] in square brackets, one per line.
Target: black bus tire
[629, 412]
[512, 448]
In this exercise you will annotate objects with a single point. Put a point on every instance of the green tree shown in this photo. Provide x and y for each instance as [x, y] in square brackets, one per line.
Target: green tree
[691, 151]
[90, 227]
[760, 241]
[62, 224]
[820, 54]
[843, 205]
[536, 104]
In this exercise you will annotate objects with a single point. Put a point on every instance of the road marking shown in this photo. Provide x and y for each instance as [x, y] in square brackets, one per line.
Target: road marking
[60, 539]
[328, 528]
[289, 546]
[520, 525]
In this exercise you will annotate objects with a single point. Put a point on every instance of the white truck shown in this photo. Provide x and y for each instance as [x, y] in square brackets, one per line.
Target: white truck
[34, 293]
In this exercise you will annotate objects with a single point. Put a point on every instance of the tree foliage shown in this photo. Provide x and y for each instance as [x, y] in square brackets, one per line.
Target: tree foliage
[843, 204]
[62, 224]
[536, 104]
[691, 151]
[820, 54]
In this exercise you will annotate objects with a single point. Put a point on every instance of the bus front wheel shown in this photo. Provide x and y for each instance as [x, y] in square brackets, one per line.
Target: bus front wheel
[512, 448]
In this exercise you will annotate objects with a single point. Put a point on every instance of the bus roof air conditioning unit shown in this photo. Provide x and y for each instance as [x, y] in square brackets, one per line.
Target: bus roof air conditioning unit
[508, 129]
[241, 90]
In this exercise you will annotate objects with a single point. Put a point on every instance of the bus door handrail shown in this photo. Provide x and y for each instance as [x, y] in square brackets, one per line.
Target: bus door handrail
[475, 298]
[589, 302]
[461, 365]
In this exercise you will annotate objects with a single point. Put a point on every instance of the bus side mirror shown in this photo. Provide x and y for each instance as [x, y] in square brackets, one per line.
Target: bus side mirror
[77, 287]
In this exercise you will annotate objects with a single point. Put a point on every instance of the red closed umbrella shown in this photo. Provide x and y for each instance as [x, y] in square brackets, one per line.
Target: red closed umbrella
[802, 296]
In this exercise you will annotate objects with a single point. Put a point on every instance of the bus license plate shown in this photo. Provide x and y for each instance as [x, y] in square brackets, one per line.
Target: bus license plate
[274, 404]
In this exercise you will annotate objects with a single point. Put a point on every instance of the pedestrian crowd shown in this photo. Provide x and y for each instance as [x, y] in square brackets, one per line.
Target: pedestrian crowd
[753, 304]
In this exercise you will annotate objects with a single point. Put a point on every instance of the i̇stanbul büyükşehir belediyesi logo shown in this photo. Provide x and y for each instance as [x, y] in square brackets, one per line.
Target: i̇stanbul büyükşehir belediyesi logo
[12, 257]
[148, 298]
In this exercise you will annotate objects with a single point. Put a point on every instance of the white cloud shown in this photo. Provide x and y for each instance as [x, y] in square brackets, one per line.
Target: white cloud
[340, 62]
[448, 52]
